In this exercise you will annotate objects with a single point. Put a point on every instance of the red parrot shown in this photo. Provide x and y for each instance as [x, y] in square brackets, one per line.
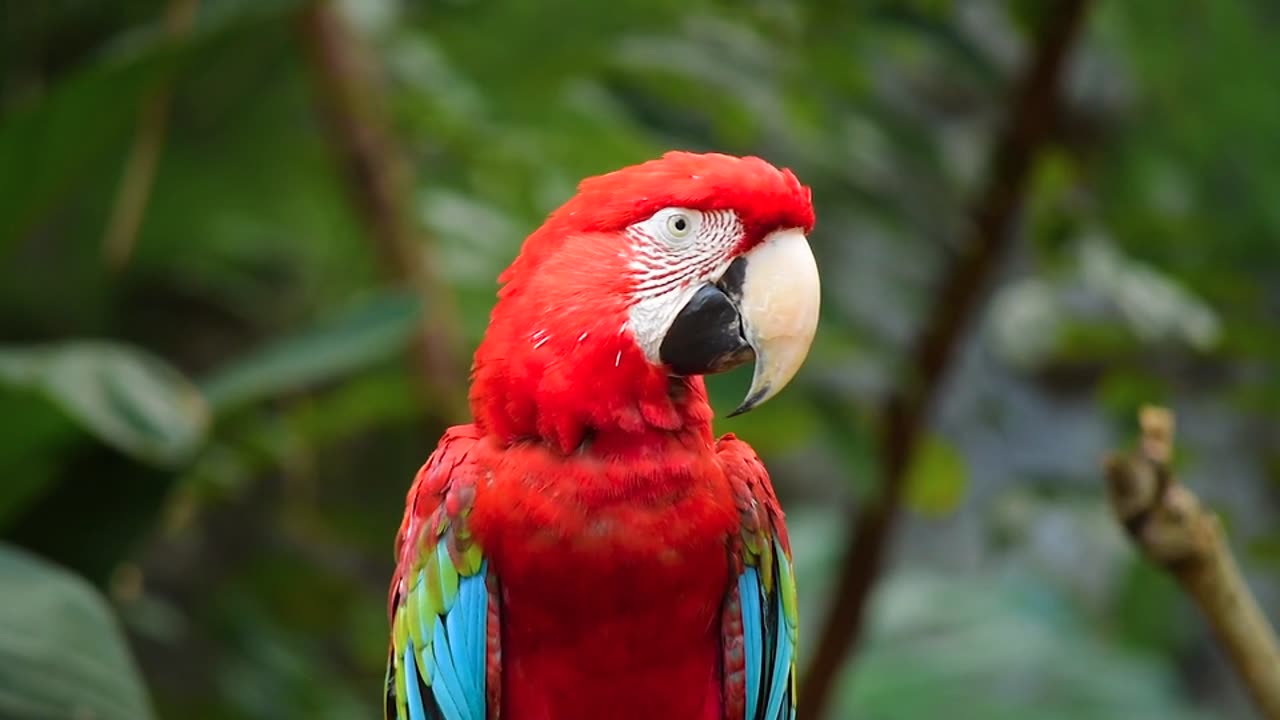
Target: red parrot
[586, 548]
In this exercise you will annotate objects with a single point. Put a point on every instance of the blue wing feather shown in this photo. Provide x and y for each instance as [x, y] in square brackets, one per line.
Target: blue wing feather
[445, 678]
[416, 711]
[781, 666]
[768, 642]
[444, 683]
[472, 612]
[440, 595]
[766, 594]
[749, 594]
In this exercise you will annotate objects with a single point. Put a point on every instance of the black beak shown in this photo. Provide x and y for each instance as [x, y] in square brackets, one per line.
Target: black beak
[707, 335]
[764, 308]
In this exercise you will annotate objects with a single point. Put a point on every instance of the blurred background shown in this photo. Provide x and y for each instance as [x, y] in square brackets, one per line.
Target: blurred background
[247, 247]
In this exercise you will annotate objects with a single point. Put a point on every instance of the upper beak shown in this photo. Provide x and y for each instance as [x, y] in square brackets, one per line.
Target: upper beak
[764, 306]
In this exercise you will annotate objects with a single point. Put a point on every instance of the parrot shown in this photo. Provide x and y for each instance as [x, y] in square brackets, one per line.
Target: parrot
[586, 547]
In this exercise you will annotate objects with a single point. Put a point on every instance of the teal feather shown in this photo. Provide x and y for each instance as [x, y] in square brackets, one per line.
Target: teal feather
[769, 629]
[749, 600]
[445, 614]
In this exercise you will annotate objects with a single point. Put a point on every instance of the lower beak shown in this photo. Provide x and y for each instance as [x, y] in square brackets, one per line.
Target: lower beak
[765, 307]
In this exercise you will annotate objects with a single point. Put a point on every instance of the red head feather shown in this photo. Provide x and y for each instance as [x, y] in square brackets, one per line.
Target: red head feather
[558, 360]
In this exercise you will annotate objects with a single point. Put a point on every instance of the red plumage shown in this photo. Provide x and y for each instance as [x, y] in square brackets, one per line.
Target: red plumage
[571, 278]
[610, 517]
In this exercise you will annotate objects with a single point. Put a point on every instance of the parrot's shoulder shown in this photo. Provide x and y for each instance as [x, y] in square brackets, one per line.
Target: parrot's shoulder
[452, 464]
[438, 503]
[761, 514]
[442, 601]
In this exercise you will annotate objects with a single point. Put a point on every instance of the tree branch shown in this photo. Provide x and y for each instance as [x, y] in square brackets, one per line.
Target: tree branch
[1174, 531]
[379, 181]
[1033, 107]
[140, 167]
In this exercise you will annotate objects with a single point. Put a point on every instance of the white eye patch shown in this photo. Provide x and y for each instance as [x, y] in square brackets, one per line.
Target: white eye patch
[674, 252]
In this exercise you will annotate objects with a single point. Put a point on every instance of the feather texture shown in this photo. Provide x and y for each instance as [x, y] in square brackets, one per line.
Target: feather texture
[446, 654]
[441, 602]
[765, 594]
[565, 556]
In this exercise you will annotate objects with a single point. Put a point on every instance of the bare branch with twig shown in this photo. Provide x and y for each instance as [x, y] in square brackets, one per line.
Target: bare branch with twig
[1174, 531]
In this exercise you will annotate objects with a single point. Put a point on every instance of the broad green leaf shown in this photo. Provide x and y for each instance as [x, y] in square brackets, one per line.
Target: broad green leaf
[372, 331]
[937, 480]
[130, 399]
[62, 654]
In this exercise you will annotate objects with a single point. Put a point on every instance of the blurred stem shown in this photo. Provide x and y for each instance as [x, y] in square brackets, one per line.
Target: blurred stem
[144, 155]
[905, 415]
[380, 183]
[1168, 523]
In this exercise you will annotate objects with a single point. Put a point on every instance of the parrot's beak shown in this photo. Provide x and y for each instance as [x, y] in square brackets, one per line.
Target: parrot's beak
[765, 306]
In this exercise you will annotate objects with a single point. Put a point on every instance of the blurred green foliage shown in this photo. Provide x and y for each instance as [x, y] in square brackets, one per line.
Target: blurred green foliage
[46, 611]
[219, 434]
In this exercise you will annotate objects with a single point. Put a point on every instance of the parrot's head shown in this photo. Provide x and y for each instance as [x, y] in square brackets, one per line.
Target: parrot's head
[647, 279]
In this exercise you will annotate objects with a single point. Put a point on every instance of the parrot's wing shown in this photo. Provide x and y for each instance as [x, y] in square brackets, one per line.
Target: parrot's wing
[760, 621]
[443, 662]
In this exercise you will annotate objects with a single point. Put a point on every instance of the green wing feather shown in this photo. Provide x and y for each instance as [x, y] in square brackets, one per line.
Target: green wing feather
[438, 663]
[765, 594]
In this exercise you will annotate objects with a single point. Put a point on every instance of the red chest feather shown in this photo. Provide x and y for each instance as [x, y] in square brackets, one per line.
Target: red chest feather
[613, 570]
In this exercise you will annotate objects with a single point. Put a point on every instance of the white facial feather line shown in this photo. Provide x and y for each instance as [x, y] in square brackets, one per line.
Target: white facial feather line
[668, 270]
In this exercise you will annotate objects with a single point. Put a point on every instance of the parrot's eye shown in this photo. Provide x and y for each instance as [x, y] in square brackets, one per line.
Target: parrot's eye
[679, 225]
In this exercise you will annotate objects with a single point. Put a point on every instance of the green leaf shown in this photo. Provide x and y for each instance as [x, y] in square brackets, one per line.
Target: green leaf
[937, 480]
[372, 331]
[62, 654]
[129, 398]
